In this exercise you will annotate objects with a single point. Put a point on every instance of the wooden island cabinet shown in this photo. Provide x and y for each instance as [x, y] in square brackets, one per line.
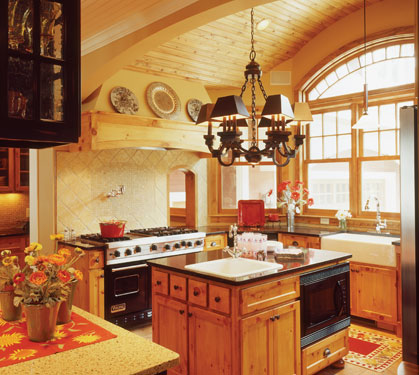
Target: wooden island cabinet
[247, 327]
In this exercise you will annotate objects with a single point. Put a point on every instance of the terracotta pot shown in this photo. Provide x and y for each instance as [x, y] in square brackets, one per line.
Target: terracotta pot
[9, 311]
[64, 312]
[41, 321]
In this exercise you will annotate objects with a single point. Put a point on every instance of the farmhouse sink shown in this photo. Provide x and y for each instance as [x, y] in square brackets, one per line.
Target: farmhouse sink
[235, 269]
[372, 249]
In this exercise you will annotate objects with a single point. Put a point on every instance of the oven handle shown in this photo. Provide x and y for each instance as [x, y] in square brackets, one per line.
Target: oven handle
[129, 268]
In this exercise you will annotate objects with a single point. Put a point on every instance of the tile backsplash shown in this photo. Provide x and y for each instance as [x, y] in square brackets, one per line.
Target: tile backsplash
[84, 179]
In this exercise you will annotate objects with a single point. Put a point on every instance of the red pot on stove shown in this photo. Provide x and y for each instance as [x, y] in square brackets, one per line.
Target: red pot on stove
[112, 229]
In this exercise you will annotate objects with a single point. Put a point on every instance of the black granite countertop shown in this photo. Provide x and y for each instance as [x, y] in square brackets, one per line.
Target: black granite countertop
[272, 228]
[81, 245]
[396, 243]
[312, 258]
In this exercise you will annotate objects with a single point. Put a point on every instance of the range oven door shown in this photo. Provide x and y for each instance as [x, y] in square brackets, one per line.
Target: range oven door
[324, 302]
[127, 289]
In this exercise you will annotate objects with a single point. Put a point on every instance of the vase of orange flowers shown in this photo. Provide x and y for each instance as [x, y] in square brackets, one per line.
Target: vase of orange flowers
[9, 267]
[42, 285]
[292, 197]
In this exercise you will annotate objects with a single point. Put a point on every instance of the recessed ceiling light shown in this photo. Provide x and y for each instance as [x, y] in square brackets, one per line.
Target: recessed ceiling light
[263, 24]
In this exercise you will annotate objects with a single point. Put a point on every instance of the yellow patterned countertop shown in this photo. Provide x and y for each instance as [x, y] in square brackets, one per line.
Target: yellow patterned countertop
[125, 354]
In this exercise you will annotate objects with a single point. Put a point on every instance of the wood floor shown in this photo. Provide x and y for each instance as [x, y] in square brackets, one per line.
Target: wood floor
[348, 370]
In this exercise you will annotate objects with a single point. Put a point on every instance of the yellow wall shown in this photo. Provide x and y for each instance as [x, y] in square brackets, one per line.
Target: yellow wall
[138, 83]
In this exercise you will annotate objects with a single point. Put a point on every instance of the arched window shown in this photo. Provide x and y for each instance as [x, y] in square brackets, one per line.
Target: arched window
[343, 166]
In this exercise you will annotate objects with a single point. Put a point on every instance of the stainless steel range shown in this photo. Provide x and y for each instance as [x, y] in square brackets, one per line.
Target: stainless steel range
[127, 276]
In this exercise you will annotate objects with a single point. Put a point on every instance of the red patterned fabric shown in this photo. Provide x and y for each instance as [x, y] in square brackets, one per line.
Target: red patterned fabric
[15, 346]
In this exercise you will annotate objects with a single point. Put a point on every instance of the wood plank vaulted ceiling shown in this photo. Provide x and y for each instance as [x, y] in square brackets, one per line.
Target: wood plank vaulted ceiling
[215, 53]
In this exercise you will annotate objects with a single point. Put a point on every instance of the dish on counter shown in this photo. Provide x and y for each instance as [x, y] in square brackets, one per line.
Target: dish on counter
[124, 100]
[163, 100]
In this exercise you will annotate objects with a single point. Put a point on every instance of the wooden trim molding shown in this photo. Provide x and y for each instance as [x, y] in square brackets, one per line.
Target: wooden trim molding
[103, 130]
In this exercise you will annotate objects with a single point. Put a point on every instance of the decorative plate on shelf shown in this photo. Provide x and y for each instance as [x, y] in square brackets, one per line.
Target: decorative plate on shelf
[193, 107]
[124, 100]
[163, 100]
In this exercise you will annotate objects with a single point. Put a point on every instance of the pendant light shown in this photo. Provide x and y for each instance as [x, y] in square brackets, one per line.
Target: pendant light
[231, 115]
[366, 121]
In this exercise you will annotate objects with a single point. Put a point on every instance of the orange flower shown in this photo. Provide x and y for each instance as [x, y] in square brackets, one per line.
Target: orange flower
[310, 201]
[78, 275]
[64, 276]
[57, 259]
[295, 196]
[64, 252]
[38, 278]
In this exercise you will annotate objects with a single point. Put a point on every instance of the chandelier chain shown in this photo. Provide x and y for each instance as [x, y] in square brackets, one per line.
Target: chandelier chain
[252, 54]
[253, 112]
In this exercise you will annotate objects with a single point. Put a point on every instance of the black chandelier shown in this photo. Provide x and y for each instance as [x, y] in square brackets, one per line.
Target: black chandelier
[232, 115]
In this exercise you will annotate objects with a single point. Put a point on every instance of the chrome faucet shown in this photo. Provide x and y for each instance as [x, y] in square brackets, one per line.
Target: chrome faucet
[380, 224]
[235, 253]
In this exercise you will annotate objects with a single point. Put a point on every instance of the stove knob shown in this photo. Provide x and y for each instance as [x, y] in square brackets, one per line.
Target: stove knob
[153, 247]
[189, 244]
[116, 254]
[183, 243]
[128, 252]
[166, 247]
[137, 249]
[177, 245]
[198, 243]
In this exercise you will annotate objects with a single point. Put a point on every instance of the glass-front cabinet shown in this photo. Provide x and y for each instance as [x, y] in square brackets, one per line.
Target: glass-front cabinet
[40, 72]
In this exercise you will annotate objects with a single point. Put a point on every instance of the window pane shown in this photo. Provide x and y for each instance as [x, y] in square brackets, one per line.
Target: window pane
[379, 54]
[387, 116]
[371, 144]
[329, 123]
[331, 78]
[388, 142]
[344, 122]
[393, 51]
[316, 149]
[381, 179]
[344, 146]
[353, 64]
[322, 86]
[328, 184]
[330, 147]
[408, 50]
[316, 126]
[342, 71]
[245, 182]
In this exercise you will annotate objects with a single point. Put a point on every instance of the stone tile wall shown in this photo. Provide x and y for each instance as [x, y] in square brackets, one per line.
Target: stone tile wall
[84, 179]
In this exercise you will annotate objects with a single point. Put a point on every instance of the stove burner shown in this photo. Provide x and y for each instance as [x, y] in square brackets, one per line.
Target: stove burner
[162, 231]
[98, 238]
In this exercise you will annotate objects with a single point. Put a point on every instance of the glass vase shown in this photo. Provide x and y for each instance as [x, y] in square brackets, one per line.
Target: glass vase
[9, 311]
[290, 220]
[342, 225]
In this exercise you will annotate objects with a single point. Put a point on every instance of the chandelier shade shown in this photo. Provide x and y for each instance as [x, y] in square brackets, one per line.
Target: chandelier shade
[278, 105]
[302, 112]
[230, 107]
[205, 113]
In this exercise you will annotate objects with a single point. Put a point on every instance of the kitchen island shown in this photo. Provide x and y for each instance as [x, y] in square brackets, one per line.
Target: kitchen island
[127, 354]
[251, 326]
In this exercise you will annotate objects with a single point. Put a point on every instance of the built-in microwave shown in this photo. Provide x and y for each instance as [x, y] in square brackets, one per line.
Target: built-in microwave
[325, 305]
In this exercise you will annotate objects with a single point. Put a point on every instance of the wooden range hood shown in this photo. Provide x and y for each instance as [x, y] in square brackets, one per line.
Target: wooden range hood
[104, 130]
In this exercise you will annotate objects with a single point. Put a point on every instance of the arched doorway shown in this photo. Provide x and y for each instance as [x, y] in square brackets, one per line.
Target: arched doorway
[181, 198]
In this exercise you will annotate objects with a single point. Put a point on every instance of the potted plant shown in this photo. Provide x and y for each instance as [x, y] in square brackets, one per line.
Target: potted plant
[9, 268]
[42, 285]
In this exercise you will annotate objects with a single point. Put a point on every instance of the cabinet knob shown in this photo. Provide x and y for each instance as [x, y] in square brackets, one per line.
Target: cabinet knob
[196, 292]
[175, 287]
[102, 276]
[213, 244]
[217, 299]
[189, 314]
[295, 243]
[326, 352]
[97, 260]
[277, 317]
[272, 318]
[158, 282]
[181, 312]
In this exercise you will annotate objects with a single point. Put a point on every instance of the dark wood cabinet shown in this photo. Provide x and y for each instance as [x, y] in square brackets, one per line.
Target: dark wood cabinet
[39, 72]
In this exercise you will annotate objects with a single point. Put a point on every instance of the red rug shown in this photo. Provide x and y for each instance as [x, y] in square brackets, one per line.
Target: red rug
[15, 346]
[372, 351]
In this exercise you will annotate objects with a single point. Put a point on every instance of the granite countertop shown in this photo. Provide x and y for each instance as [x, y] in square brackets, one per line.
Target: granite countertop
[81, 245]
[125, 354]
[312, 258]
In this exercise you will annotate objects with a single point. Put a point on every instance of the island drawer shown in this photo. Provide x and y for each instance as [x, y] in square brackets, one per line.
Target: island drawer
[215, 242]
[160, 282]
[261, 296]
[219, 299]
[178, 287]
[325, 352]
[95, 259]
[197, 292]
